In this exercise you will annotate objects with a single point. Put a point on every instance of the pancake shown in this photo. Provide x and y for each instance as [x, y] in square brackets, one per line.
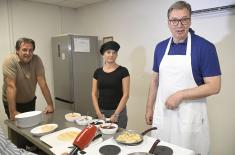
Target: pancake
[47, 128]
[68, 136]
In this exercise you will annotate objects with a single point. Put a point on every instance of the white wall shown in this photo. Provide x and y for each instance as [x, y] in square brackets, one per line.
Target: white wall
[39, 22]
[220, 30]
[4, 47]
[138, 25]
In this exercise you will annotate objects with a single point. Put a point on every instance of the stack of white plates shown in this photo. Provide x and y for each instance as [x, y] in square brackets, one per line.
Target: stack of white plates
[28, 119]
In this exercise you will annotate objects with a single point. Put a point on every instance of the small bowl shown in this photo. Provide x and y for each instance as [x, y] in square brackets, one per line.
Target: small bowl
[28, 119]
[71, 117]
[83, 120]
[108, 128]
[97, 122]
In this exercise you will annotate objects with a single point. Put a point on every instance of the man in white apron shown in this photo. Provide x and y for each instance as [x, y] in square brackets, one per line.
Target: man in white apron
[186, 70]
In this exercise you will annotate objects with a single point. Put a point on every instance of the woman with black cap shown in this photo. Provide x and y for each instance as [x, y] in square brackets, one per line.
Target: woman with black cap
[110, 86]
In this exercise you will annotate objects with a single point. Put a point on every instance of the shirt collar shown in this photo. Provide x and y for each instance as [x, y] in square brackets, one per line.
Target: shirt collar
[183, 43]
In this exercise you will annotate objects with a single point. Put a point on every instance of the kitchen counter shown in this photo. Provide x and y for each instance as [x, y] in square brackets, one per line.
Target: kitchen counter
[58, 118]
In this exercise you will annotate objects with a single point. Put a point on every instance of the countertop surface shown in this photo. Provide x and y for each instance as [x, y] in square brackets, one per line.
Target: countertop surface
[58, 118]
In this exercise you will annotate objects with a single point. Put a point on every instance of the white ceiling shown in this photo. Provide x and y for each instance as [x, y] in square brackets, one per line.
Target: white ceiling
[68, 3]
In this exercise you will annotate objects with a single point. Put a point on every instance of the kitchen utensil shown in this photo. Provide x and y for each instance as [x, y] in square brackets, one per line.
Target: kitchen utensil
[162, 150]
[134, 137]
[97, 136]
[83, 139]
[152, 149]
[28, 119]
[109, 150]
[159, 150]
[140, 153]
[43, 129]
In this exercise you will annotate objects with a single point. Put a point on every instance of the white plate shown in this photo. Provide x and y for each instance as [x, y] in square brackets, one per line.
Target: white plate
[28, 114]
[44, 129]
[53, 140]
[28, 119]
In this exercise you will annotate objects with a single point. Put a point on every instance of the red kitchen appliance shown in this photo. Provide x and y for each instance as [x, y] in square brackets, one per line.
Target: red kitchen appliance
[83, 139]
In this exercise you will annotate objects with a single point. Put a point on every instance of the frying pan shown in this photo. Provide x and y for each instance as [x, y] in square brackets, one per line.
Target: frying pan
[132, 132]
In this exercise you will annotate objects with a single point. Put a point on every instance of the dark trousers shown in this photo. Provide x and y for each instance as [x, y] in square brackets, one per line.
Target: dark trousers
[21, 107]
[122, 119]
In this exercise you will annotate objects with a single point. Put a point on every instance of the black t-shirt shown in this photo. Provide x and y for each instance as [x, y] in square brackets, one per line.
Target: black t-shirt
[110, 87]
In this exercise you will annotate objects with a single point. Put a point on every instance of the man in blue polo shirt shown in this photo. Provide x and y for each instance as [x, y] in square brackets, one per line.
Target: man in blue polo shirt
[185, 71]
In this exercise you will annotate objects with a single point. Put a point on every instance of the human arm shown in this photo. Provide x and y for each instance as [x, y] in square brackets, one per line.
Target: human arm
[46, 93]
[151, 97]
[7, 147]
[211, 86]
[124, 99]
[11, 97]
[94, 95]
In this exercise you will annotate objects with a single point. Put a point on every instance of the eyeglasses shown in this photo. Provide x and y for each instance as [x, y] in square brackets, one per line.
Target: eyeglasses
[183, 21]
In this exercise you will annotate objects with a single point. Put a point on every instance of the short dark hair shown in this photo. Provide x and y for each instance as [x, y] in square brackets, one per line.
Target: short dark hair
[179, 5]
[24, 40]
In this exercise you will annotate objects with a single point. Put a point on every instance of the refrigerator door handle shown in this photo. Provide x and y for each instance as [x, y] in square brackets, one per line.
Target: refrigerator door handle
[63, 100]
[58, 50]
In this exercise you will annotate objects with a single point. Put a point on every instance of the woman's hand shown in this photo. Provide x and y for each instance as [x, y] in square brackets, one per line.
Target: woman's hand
[114, 118]
[101, 116]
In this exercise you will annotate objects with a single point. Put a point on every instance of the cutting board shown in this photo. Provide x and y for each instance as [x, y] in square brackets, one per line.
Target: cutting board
[53, 141]
[58, 150]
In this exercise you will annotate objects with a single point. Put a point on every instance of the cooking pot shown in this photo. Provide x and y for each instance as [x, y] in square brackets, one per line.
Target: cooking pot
[140, 153]
[131, 133]
[156, 150]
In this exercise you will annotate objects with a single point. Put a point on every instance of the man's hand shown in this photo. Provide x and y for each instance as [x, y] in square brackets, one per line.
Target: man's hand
[149, 117]
[48, 109]
[12, 115]
[174, 100]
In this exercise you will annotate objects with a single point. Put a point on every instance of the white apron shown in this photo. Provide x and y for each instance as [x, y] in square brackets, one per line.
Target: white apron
[186, 126]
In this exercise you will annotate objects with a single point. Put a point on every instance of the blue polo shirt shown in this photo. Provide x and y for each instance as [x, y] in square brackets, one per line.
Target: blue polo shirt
[204, 59]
